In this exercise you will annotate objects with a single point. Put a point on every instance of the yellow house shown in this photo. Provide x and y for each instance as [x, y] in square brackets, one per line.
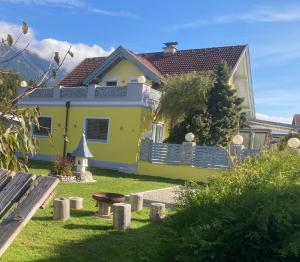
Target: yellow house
[112, 98]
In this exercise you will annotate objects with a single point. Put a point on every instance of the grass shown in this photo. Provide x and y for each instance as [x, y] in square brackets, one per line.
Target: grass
[85, 237]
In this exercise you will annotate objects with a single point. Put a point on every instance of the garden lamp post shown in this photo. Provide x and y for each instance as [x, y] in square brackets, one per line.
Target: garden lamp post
[187, 149]
[237, 148]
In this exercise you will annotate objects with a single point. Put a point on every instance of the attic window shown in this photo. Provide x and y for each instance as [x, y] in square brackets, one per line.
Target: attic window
[111, 83]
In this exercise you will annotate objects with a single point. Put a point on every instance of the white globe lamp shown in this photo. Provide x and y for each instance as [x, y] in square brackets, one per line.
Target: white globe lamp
[238, 140]
[293, 142]
[142, 79]
[189, 137]
[23, 84]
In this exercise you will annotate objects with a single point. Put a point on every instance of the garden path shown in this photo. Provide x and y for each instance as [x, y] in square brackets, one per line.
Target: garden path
[164, 195]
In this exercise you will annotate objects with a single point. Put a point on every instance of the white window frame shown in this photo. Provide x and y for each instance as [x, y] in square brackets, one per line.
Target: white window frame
[41, 136]
[96, 141]
[153, 128]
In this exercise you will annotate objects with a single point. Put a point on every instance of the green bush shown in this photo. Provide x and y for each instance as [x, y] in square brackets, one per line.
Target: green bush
[62, 167]
[250, 213]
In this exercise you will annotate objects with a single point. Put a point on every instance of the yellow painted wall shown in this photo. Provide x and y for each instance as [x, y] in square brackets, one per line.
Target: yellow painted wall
[125, 130]
[176, 171]
[54, 145]
[122, 71]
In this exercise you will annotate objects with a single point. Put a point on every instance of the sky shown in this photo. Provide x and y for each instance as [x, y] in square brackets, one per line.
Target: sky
[96, 28]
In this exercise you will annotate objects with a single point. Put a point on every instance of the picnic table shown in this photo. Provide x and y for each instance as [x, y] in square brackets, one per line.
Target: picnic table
[28, 193]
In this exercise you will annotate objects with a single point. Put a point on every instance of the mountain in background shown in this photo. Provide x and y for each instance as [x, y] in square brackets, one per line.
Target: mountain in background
[29, 66]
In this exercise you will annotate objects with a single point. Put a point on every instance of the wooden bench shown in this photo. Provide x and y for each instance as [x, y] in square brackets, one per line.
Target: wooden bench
[28, 192]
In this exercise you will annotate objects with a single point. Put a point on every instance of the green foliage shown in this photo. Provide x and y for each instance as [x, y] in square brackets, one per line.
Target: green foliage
[62, 167]
[196, 121]
[9, 40]
[182, 93]
[250, 213]
[206, 107]
[15, 135]
[9, 83]
[24, 28]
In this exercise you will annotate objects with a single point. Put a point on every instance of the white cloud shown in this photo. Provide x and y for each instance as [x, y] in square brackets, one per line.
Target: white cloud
[54, 3]
[110, 13]
[72, 4]
[259, 14]
[280, 119]
[45, 48]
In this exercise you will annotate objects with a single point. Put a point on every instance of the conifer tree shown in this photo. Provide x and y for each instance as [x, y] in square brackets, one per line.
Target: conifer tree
[224, 108]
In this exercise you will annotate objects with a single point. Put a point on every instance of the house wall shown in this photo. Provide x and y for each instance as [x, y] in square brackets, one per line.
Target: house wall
[241, 81]
[126, 127]
[122, 72]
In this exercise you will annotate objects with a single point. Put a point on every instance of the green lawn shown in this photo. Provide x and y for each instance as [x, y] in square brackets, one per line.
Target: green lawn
[85, 237]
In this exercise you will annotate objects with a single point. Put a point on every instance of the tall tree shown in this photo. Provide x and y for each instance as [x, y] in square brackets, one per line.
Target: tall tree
[224, 108]
[182, 94]
[15, 122]
[207, 107]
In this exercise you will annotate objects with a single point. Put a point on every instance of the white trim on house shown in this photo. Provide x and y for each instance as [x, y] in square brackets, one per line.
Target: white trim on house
[41, 136]
[96, 141]
[85, 103]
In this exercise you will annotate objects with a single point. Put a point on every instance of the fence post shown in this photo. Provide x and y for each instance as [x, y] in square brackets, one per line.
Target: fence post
[236, 153]
[146, 149]
[187, 153]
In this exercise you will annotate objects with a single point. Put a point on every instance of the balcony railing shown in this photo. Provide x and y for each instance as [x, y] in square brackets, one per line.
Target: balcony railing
[133, 92]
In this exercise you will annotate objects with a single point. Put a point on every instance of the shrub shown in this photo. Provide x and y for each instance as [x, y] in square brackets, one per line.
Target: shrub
[250, 213]
[62, 167]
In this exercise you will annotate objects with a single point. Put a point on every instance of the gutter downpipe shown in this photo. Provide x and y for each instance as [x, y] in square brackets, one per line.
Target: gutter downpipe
[68, 104]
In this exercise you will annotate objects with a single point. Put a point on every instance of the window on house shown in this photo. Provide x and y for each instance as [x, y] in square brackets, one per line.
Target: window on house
[111, 83]
[44, 128]
[97, 129]
[157, 132]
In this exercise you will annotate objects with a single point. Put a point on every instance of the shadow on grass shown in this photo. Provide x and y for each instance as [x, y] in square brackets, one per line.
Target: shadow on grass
[33, 164]
[113, 173]
[82, 213]
[43, 218]
[87, 227]
[144, 220]
[140, 244]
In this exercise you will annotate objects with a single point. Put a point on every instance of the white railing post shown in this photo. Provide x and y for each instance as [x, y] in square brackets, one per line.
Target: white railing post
[91, 91]
[187, 153]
